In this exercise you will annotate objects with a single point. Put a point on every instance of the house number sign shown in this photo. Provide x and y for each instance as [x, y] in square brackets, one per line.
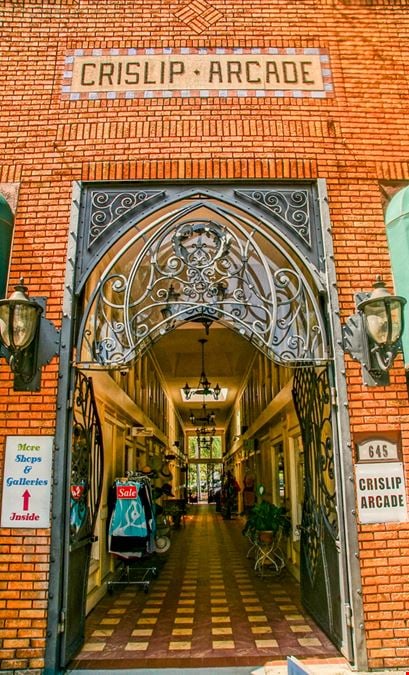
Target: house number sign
[377, 450]
[380, 479]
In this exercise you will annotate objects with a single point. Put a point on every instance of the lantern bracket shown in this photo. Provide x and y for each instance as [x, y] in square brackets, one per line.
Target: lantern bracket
[46, 345]
[376, 359]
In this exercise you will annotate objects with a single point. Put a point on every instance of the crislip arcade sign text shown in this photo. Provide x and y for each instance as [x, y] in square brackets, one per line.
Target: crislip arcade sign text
[380, 479]
[153, 73]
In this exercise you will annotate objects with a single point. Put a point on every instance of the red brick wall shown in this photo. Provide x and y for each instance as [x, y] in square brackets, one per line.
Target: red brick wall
[354, 139]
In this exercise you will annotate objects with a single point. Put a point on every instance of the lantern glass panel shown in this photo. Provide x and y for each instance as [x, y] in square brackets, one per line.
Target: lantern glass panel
[4, 325]
[395, 308]
[376, 316]
[384, 321]
[18, 324]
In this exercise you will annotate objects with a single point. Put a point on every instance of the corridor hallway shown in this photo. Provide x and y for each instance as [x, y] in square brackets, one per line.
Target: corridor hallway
[206, 608]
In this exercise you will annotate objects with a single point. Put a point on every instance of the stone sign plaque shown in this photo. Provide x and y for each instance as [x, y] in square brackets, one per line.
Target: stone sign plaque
[149, 73]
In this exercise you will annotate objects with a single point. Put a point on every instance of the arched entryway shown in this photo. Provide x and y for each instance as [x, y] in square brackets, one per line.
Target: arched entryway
[203, 258]
[152, 263]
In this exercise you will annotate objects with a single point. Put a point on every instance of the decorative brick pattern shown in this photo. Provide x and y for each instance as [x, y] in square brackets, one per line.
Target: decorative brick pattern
[199, 15]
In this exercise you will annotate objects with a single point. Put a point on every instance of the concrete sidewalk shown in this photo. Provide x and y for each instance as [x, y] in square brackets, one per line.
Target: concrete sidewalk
[320, 667]
[338, 666]
[341, 668]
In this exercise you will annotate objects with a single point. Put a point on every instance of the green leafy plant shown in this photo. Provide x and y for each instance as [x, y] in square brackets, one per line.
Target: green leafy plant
[265, 516]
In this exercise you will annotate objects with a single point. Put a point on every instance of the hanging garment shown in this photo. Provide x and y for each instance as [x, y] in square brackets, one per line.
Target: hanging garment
[79, 513]
[132, 527]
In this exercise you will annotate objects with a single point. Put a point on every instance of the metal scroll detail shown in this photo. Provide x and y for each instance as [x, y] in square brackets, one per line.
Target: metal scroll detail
[86, 461]
[85, 495]
[319, 551]
[202, 269]
[108, 207]
[312, 400]
[290, 207]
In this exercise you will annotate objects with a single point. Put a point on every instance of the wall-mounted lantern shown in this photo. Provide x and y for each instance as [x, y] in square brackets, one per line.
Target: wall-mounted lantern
[373, 335]
[27, 339]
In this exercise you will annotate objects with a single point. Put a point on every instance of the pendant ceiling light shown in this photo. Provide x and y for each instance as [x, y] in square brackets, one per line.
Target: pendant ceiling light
[205, 418]
[204, 387]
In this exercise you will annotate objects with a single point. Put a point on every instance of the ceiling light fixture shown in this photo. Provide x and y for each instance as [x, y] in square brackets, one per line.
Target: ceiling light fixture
[204, 387]
[206, 418]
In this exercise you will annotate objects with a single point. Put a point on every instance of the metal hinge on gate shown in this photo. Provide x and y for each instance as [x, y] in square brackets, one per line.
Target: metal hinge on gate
[61, 623]
[70, 400]
[333, 396]
[348, 613]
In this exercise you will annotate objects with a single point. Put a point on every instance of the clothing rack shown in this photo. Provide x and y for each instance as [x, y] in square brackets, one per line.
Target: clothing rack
[130, 573]
[136, 475]
[133, 523]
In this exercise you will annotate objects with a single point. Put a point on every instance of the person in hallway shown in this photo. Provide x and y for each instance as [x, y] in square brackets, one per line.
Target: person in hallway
[230, 490]
[249, 495]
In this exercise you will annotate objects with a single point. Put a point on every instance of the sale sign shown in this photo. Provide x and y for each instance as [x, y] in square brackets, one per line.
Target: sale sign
[126, 491]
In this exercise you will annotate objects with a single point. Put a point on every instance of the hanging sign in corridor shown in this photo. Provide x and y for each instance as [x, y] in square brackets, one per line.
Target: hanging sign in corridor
[27, 482]
[153, 73]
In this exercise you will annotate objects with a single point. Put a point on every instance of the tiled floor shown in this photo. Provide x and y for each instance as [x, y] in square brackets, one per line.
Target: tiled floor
[206, 607]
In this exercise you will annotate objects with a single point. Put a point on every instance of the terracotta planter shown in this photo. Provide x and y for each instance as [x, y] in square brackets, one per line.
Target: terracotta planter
[265, 536]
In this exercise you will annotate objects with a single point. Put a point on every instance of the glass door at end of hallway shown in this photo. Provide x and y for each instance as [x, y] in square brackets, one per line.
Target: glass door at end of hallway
[205, 468]
[204, 482]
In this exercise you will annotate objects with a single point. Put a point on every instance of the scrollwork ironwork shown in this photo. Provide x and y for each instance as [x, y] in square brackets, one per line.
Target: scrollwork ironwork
[187, 268]
[86, 461]
[312, 400]
[108, 207]
[290, 206]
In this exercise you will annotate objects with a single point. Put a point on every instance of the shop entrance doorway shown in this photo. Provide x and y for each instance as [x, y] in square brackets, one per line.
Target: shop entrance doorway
[151, 280]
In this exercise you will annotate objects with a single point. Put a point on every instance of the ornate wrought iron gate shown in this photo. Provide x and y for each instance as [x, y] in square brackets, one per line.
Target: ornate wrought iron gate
[85, 494]
[252, 258]
[320, 564]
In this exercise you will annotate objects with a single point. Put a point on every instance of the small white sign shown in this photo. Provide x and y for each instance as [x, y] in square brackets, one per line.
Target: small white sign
[381, 493]
[27, 481]
[376, 450]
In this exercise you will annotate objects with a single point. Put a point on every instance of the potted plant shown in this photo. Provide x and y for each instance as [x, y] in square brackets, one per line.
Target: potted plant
[267, 517]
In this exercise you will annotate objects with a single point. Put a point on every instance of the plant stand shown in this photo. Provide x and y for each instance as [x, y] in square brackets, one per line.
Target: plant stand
[269, 557]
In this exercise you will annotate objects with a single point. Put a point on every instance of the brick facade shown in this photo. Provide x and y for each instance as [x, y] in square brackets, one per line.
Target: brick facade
[356, 139]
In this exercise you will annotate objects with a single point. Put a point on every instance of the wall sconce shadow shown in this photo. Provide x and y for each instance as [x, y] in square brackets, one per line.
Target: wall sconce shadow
[28, 340]
[373, 335]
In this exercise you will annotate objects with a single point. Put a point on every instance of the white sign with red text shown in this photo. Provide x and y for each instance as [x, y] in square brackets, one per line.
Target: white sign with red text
[27, 481]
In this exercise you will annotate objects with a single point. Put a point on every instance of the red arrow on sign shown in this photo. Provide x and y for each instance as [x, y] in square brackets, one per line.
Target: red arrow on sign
[26, 498]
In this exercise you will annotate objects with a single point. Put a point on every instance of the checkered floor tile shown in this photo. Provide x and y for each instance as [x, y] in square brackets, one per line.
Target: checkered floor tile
[206, 607]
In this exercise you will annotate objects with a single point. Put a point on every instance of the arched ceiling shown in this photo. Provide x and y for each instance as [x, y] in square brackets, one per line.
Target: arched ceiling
[227, 360]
